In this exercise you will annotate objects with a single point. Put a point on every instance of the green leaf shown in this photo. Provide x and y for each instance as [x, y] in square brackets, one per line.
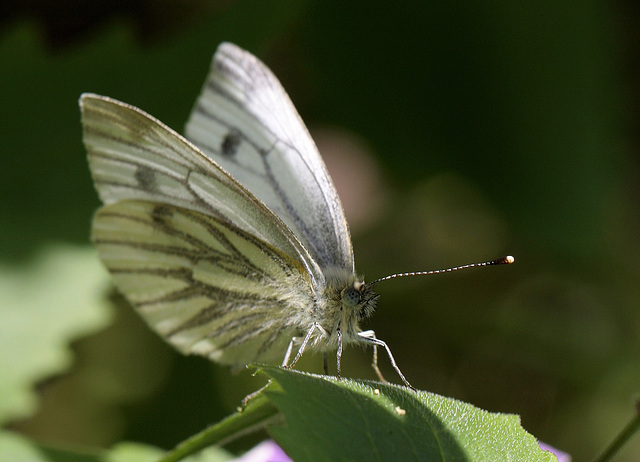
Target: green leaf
[43, 306]
[338, 419]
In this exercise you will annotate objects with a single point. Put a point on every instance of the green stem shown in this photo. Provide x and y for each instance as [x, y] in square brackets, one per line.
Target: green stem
[624, 436]
[258, 413]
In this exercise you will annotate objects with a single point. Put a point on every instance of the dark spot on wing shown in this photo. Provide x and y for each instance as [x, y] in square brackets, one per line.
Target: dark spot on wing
[146, 178]
[230, 143]
[160, 214]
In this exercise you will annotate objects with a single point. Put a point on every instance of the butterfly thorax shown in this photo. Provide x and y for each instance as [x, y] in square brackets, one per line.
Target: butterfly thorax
[346, 301]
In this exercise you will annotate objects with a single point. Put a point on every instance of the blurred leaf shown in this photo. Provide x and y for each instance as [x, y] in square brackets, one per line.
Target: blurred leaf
[44, 305]
[134, 452]
[16, 448]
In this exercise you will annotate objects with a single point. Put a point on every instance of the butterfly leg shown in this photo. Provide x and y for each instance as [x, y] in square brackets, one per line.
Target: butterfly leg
[374, 364]
[250, 396]
[370, 337]
[307, 337]
[287, 355]
[339, 352]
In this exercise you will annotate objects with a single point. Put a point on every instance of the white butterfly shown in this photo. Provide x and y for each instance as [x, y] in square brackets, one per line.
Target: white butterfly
[233, 245]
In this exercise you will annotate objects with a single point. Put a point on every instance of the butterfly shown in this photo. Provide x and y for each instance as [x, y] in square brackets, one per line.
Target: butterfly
[232, 242]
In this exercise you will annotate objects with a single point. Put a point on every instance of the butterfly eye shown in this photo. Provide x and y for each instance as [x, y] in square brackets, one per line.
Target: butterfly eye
[351, 296]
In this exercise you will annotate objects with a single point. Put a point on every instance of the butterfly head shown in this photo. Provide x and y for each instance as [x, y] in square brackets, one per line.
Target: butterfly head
[359, 297]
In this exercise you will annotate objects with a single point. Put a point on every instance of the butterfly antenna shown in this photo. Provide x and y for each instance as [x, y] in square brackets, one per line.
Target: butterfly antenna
[499, 261]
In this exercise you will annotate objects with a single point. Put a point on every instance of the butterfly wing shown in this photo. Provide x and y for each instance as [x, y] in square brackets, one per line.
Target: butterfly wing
[206, 264]
[245, 121]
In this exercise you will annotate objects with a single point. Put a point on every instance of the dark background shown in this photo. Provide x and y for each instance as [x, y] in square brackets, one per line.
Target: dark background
[455, 132]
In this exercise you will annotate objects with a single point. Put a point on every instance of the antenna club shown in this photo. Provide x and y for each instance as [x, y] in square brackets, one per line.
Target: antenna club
[501, 261]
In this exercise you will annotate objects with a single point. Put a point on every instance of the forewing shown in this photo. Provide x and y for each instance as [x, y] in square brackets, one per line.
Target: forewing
[245, 121]
[133, 156]
[205, 285]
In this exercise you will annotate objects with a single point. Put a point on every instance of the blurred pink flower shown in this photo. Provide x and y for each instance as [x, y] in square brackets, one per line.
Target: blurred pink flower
[562, 456]
[267, 451]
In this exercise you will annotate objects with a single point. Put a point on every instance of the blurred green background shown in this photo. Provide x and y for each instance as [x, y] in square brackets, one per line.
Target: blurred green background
[455, 132]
